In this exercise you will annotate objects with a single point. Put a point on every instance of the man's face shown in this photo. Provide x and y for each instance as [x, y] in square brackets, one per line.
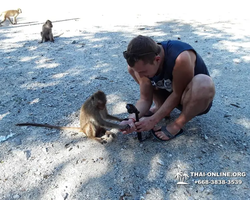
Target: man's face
[146, 70]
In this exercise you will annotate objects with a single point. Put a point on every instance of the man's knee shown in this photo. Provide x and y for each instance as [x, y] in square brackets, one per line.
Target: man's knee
[200, 89]
[204, 85]
[199, 93]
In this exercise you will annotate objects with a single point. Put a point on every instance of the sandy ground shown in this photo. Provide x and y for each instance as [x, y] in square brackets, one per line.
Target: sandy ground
[49, 82]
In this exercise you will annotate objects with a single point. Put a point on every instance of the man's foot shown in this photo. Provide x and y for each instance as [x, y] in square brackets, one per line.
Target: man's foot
[163, 134]
[153, 109]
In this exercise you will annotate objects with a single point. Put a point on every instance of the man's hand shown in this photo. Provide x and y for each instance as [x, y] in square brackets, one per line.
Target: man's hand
[145, 124]
[131, 123]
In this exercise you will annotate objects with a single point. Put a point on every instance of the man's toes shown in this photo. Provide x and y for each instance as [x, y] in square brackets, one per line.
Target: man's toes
[162, 136]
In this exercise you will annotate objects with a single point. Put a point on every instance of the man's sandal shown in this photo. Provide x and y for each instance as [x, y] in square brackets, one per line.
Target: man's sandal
[166, 132]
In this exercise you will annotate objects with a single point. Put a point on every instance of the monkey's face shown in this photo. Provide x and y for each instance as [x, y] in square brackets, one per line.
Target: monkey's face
[19, 10]
[101, 105]
[49, 23]
[99, 99]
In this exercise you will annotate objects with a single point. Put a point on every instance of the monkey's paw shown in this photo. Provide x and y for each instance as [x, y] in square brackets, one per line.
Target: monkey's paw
[109, 133]
[125, 127]
[103, 141]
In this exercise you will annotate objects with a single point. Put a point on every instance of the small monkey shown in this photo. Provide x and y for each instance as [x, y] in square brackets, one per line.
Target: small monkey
[92, 119]
[47, 32]
[11, 13]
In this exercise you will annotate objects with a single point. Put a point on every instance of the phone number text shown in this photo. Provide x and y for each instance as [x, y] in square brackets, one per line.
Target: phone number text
[218, 182]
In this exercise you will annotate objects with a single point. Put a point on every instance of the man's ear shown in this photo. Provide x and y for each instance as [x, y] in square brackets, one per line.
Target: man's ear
[157, 58]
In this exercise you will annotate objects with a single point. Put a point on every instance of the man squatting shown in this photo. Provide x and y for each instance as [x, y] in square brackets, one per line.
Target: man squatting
[172, 75]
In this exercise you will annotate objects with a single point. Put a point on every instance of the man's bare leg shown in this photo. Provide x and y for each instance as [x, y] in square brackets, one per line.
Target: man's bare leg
[195, 100]
[159, 98]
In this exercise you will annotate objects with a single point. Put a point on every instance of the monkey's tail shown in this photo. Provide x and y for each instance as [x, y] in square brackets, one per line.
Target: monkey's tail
[51, 126]
[58, 35]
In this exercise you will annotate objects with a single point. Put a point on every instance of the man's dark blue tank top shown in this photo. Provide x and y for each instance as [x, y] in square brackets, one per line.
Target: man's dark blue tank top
[172, 49]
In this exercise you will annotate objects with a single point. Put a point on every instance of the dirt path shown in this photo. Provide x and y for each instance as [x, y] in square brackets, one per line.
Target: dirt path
[49, 82]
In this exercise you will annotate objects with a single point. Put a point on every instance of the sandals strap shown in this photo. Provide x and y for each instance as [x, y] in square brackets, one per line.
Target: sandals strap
[168, 134]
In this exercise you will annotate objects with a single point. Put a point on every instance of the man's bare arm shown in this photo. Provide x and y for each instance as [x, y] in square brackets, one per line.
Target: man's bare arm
[183, 73]
[146, 96]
